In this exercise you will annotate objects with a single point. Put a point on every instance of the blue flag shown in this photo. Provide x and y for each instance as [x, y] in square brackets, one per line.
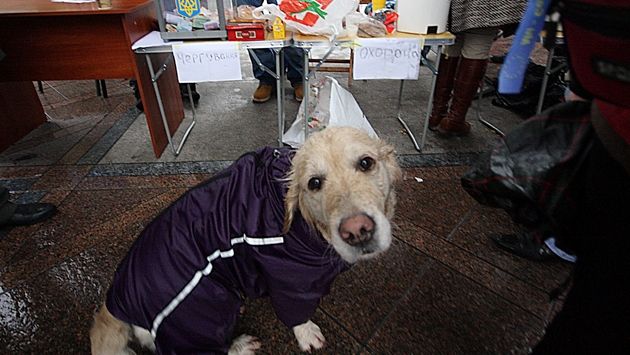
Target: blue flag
[515, 64]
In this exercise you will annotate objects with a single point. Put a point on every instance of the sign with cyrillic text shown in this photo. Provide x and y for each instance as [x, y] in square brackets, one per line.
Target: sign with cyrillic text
[387, 58]
[201, 62]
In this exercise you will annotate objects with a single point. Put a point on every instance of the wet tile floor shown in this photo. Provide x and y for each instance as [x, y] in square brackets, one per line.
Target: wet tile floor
[444, 288]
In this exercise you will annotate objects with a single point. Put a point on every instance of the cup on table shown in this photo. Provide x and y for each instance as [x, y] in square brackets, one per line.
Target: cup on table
[104, 4]
[352, 30]
[352, 24]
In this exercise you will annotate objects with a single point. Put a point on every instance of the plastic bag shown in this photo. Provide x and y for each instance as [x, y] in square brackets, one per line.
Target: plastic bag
[372, 28]
[526, 101]
[366, 26]
[329, 104]
[387, 17]
[530, 173]
[312, 17]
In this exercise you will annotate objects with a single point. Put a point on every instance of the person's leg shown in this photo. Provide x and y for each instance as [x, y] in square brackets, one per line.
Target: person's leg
[268, 59]
[293, 63]
[183, 90]
[443, 89]
[455, 50]
[595, 318]
[472, 67]
[449, 60]
[267, 82]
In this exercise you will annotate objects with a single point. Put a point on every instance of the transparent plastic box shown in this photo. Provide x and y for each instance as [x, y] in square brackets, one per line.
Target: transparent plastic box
[194, 19]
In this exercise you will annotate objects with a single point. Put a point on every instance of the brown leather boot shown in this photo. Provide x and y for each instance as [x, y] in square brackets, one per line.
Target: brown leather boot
[467, 82]
[443, 89]
[262, 93]
[298, 92]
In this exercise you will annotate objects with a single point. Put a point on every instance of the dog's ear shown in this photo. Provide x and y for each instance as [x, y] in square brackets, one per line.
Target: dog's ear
[388, 157]
[390, 163]
[290, 201]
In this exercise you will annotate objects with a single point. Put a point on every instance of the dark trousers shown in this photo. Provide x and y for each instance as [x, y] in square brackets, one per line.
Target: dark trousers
[292, 64]
[595, 318]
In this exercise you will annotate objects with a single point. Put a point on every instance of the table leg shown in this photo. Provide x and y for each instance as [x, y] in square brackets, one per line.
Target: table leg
[154, 79]
[170, 96]
[305, 87]
[279, 76]
[20, 111]
[434, 71]
[400, 119]
[280, 96]
[543, 87]
[479, 117]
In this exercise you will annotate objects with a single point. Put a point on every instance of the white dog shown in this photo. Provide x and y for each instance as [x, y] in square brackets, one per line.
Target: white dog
[262, 227]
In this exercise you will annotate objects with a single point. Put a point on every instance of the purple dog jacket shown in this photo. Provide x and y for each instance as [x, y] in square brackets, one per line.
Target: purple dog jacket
[185, 277]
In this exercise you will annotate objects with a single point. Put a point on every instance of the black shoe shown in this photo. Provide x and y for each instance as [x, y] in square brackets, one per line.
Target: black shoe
[31, 213]
[139, 105]
[136, 93]
[183, 89]
[524, 245]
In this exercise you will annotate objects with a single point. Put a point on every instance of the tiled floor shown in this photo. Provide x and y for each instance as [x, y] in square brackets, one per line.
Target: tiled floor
[444, 288]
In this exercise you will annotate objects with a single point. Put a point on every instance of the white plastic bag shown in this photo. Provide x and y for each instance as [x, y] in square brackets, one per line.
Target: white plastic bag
[329, 104]
[311, 17]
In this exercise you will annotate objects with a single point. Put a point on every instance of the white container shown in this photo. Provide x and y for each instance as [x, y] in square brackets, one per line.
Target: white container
[422, 16]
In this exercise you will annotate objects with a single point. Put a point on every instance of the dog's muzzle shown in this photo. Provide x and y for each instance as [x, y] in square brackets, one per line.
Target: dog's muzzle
[357, 230]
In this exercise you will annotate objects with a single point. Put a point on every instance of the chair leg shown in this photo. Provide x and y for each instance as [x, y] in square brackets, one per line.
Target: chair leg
[479, 117]
[104, 89]
[101, 88]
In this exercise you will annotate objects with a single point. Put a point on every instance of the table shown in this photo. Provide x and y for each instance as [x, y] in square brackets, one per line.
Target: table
[437, 41]
[153, 44]
[45, 40]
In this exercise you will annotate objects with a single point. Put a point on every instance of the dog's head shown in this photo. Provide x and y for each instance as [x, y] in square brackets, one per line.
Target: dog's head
[342, 181]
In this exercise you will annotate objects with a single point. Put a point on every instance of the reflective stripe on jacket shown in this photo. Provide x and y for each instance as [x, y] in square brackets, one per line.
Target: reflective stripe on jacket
[185, 276]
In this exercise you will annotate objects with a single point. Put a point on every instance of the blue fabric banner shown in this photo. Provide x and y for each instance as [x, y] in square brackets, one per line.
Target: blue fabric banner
[513, 69]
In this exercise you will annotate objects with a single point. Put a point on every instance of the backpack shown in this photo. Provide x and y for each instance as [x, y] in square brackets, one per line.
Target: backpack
[597, 35]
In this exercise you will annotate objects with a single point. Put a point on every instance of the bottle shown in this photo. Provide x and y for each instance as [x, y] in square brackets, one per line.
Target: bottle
[378, 4]
[278, 28]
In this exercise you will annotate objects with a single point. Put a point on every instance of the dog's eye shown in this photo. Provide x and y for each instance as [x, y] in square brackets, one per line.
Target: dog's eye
[366, 164]
[315, 184]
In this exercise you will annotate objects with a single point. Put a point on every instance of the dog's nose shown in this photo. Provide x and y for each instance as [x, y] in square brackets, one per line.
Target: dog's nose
[356, 229]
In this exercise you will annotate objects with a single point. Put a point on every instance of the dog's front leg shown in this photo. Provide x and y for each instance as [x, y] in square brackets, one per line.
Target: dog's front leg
[309, 336]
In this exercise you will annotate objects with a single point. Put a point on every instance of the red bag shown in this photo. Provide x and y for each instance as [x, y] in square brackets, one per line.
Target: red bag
[313, 17]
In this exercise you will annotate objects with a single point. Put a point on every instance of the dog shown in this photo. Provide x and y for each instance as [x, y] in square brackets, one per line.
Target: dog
[279, 222]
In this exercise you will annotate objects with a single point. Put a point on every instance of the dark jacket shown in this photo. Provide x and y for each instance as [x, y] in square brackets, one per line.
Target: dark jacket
[186, 275]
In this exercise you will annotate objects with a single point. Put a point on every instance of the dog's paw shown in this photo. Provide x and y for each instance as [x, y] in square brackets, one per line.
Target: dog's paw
[244, 345]
[309, 336]
[144, 338]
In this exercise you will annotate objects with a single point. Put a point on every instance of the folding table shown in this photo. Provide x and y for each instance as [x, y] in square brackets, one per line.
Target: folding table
[153, 44]
[435, 41]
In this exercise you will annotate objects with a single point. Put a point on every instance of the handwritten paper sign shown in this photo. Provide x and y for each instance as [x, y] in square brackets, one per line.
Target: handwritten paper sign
[201, 62]
[387, 58]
